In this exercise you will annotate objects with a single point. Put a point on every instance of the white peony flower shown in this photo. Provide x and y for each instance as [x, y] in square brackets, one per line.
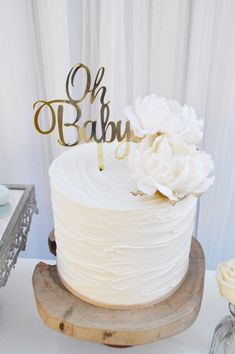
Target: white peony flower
[226, 280]
[170, 166]
[153, 114]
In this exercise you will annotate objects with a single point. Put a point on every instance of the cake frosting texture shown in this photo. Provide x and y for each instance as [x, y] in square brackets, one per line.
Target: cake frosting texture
[115, 248]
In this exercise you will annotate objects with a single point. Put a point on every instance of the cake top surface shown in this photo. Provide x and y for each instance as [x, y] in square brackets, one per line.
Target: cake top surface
[75, 174]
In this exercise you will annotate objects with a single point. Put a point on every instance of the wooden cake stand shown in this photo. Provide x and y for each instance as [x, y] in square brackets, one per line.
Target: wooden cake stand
[65, 313]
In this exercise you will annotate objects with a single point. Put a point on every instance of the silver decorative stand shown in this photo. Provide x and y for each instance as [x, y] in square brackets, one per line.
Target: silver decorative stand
[14, 237]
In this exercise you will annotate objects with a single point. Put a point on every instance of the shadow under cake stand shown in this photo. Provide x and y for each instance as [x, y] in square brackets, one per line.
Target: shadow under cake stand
[62, 311]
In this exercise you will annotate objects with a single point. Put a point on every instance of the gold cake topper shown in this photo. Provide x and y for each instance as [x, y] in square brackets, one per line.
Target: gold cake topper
[110, 130]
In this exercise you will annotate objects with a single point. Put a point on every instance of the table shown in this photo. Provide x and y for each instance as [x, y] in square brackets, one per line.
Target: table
[22, 331]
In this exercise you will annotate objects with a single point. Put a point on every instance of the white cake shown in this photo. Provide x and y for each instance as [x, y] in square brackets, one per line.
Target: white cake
[114, 248]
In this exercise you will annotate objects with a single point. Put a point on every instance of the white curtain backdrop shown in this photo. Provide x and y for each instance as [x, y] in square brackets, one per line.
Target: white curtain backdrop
[182, 49]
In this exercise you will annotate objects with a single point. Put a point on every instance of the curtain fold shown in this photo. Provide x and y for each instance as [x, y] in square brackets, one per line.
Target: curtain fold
[216, 223]
[142, 44]
[23, 159]
[53, 56]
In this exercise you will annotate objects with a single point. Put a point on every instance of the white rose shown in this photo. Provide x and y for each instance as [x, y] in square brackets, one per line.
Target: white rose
[152, 114]
[226, 280]
[170, 166]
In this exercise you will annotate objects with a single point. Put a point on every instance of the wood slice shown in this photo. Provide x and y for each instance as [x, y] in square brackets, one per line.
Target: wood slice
[64, 312]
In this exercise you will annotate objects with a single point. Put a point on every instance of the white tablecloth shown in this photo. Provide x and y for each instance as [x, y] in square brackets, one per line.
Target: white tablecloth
[23, 332]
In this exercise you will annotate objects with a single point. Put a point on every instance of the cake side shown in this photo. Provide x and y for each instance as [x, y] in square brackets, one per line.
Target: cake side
[131, 250]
